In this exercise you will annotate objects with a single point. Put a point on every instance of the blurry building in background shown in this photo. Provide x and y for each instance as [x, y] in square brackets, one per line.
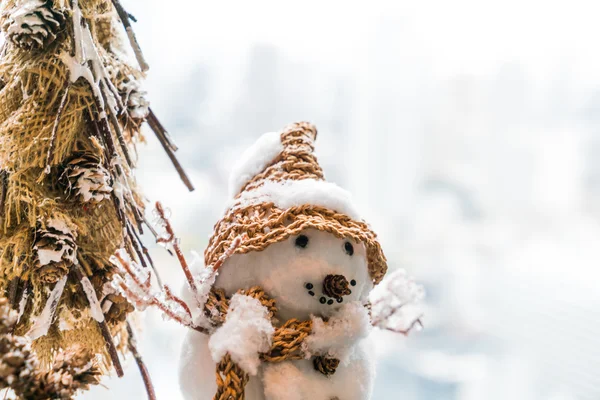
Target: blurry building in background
[483, 182]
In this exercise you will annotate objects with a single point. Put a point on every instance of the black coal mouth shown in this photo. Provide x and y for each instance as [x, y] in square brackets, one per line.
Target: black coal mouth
[327, 296]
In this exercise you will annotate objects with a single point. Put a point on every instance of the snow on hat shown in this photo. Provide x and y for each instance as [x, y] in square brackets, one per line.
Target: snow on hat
[277, 189]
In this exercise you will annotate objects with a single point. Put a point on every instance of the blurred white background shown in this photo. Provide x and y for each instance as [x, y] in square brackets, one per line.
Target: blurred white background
[468, 130]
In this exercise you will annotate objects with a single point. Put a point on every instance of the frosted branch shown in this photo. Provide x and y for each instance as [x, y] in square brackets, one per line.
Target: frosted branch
[138, 290]
[395, 304]
[173, 241]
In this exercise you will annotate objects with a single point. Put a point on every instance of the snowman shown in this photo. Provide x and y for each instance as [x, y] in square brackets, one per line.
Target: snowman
[300, 240]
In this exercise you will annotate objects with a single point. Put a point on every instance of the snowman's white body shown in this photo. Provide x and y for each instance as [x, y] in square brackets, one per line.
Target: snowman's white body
[289, 380]
[283, 270]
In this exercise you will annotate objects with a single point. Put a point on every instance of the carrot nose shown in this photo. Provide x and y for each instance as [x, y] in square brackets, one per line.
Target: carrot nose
[336, 286]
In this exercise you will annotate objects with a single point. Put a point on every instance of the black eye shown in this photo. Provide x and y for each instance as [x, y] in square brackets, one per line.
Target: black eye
[353, 282]
[302, 241]
[349, 248]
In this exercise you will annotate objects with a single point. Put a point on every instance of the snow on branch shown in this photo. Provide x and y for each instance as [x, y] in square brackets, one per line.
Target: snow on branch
[395, 303]
[135, 285]
[168, 238]
[200, 284]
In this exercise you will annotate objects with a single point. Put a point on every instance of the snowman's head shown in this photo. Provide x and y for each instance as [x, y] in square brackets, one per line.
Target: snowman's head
[312, 272]
[293, 233]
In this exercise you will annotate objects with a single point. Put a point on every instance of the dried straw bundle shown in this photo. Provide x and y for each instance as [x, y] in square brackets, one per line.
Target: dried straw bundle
[71, 110]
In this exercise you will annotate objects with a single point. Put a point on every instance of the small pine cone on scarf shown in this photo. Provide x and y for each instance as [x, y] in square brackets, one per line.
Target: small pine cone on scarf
[326, 366]
[34, 25]
[21, 372]
[85, 176]
[56, 250]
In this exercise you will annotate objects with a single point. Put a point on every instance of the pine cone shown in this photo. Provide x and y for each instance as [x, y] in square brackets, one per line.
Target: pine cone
[326, 366]
[134, 98]
[86, 176]
[336, 286]
[56, 250]
[119, 308]
[20, 370]
[34, 25]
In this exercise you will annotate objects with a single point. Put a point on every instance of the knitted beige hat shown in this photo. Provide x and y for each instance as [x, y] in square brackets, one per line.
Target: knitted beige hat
[279, 190]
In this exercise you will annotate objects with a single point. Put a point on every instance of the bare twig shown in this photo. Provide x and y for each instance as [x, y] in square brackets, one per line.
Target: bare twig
[112, 349]
[124, 16]
[406, 331]
[162, 136]
[148, 257]
[12, 292]
[110, 152]
[115, 124]
[132, 345]
[388, 314]
[137, 214]
[135, 244]
[61, 109]
[160, 130]
[3, 191]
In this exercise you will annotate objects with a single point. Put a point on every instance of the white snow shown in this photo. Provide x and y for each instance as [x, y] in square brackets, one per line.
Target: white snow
[254, 160]
[204, 280]
[90, 293]
[135, 97]
[204, 277]
[340, 333]
[49, 256]
[139, 106]
[60, 225]
[42, 322]
[96, 75]
[291, 193]
[395, 301]
[246, 332]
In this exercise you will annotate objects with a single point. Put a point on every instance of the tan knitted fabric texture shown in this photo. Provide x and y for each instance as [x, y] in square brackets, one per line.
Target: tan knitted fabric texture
[286, 344]
[264, 224]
